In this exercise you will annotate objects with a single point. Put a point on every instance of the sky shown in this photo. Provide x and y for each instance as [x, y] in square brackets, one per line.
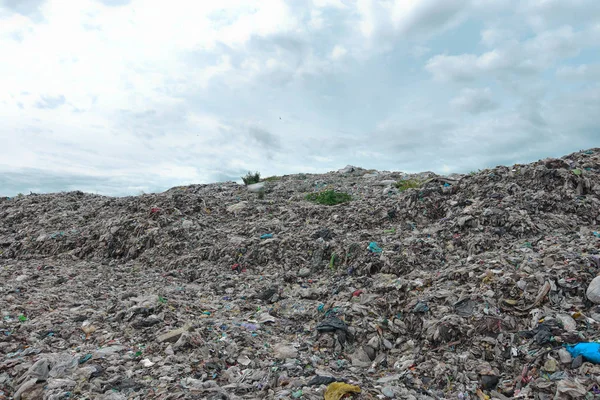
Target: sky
[120, 97]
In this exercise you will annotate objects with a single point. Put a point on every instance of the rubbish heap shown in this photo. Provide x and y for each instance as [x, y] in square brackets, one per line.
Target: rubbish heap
[475, 286]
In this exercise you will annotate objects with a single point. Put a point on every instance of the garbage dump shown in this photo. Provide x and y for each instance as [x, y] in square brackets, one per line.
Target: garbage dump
[357, 283]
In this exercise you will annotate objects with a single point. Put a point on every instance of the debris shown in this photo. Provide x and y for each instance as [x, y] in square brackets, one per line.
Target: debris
[337, 390]
[589, 351]
[172, 336]
[374, 248]
[471, 286]
[593, 290]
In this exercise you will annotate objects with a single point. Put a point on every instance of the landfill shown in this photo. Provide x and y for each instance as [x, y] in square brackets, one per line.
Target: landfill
[469, 286]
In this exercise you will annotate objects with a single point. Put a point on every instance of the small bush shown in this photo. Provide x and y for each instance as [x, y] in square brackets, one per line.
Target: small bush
[271, 178]
[329, 197]
[408, 184]
[251, 178]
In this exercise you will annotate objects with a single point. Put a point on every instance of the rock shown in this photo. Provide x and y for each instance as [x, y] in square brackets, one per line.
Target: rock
[347, 169]
[577, 361]
[304, 272]
[550, 365]
[565, 356]
[186, 224]
[244, 360]
[256, 187]
[370, 352]
[568, 322]
[360, 358]
[593, 290]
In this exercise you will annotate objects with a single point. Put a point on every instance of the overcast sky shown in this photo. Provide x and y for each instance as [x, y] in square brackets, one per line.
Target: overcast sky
[122, 96]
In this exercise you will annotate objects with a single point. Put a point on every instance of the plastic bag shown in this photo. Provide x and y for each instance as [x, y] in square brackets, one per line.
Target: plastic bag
[589, 351]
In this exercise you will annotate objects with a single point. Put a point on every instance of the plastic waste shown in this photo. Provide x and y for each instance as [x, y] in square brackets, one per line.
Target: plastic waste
[374, 248]
[589, 351]
[266, 236]
[337, 390]
[323, 380]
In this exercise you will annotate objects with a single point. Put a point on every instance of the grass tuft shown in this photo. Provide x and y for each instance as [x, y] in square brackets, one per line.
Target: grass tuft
[329, 197]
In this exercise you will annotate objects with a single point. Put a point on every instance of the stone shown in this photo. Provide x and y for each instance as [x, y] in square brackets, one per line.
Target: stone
[564, 356]
[593, 290]
[256, 187]
[550, 365]
[304, 272]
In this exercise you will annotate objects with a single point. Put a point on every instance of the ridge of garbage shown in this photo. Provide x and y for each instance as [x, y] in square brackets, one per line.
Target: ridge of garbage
[481, 285]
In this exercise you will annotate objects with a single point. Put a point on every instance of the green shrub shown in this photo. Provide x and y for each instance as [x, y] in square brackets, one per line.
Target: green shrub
[271, 178]
[329, 197]
[408, 184]
[251, 178]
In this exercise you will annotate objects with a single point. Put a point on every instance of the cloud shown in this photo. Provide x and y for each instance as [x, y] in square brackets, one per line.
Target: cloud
[587, 72]
[264, 138]
[416, 18]
[137, 93]
[338, 52]
[475, 101]
[50, 102]
[513, 58]
[115, 3]
[28, 8]
[420, 51]
[426, 16]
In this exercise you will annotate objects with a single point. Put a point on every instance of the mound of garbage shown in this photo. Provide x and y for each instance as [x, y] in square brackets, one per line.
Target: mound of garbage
[358, 283]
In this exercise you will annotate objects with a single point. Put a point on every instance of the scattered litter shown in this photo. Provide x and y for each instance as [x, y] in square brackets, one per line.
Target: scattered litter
[337, 390]
[488, 288]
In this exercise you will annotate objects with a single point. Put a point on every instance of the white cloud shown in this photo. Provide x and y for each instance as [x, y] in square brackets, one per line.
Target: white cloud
[420, 51]
[329, 3]
[409, 17]
[338, 52]
[168, 93]
[589, 72]
[475, 101]
[492, 37]
[533, 55]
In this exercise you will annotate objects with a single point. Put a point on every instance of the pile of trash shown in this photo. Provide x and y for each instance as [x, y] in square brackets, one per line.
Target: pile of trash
[475, 286]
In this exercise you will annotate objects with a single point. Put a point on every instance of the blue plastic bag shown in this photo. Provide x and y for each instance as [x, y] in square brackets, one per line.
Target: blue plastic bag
[589, 351]
[266, 236]
[374, 248]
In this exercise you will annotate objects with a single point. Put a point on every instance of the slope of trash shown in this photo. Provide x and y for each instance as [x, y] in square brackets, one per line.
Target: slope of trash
[466, 286]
